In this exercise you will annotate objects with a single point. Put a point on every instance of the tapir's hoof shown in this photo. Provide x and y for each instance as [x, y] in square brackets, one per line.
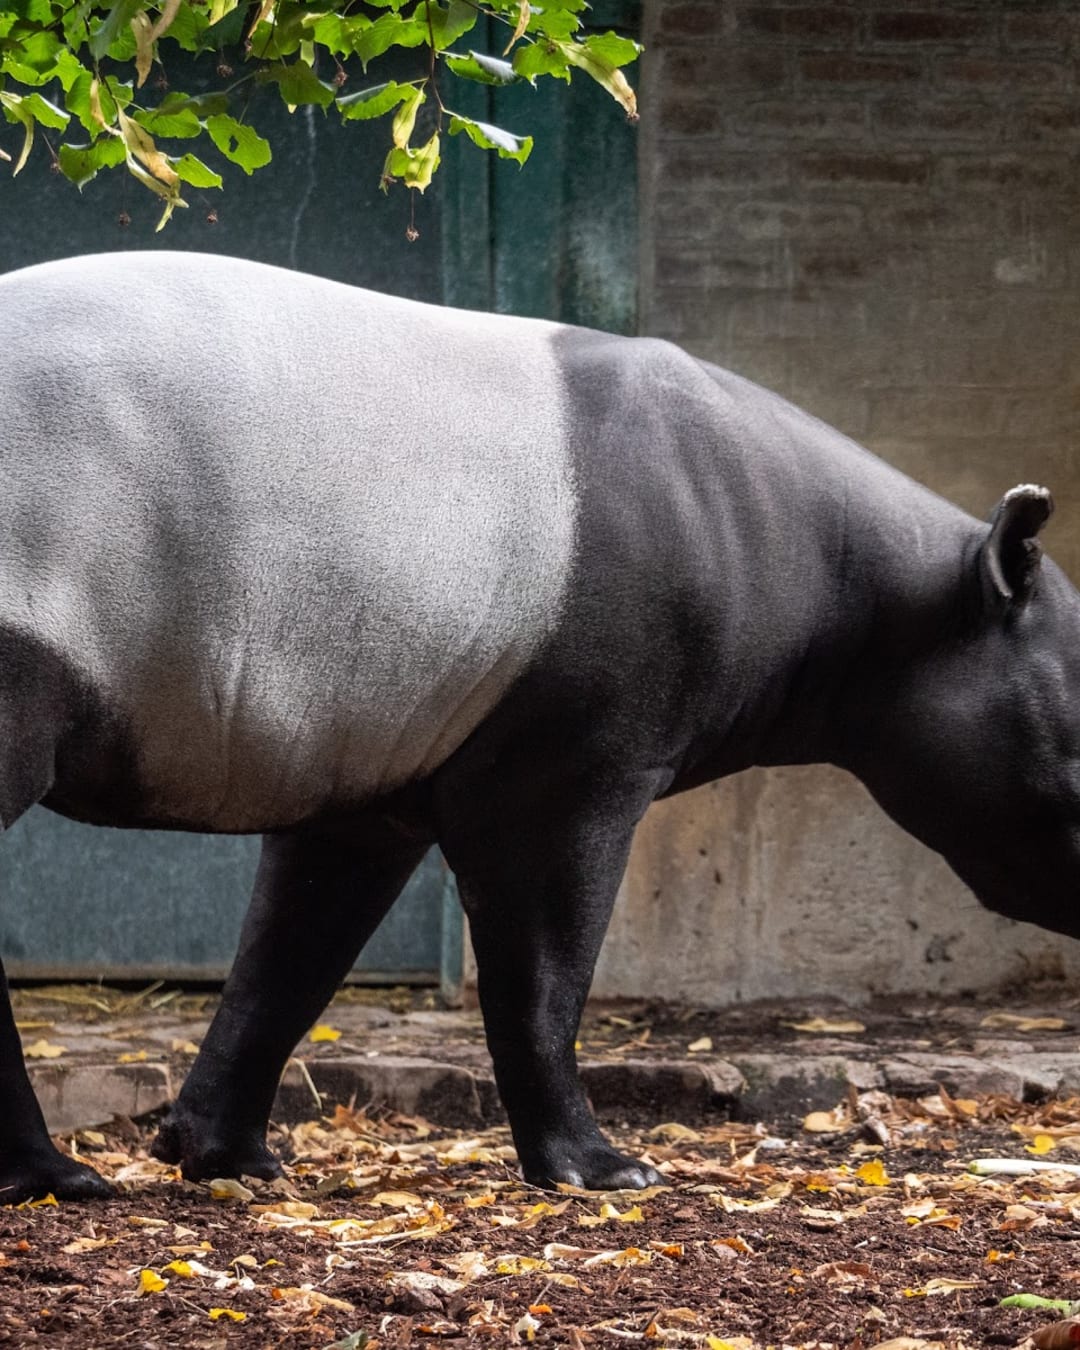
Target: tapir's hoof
[203, 1152]
[596, 1169]
[34, 1179]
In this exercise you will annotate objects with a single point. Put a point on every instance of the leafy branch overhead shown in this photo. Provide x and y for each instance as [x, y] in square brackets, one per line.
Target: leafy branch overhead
[93, 79]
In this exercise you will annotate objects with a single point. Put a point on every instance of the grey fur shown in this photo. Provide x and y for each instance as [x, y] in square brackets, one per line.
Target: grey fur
[299, 538]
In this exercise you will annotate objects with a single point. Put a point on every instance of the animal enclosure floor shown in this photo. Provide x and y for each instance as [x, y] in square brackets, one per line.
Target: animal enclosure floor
[818, 1157]
[847, 1230]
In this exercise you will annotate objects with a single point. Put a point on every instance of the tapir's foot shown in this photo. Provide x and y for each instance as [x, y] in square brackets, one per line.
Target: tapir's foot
[43, 1173]
[594, 1166]
[204, 1150]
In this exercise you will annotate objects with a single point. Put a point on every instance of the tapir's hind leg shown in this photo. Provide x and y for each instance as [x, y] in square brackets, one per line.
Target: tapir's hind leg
[30, 711]
[30, 1167]
[538, 862]
[317, 900]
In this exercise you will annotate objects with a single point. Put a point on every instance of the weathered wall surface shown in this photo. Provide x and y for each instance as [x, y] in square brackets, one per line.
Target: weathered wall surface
[870, 207]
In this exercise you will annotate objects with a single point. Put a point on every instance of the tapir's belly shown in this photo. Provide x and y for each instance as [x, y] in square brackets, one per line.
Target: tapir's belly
[298, 544]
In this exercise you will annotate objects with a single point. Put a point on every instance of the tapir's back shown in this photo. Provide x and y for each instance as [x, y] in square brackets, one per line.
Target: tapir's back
[298, 538]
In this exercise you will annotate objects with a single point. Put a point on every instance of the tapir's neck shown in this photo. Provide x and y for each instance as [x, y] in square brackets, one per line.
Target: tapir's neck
[831, 570]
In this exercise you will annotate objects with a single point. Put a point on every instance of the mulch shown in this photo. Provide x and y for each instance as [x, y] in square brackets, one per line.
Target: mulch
[850, 1229]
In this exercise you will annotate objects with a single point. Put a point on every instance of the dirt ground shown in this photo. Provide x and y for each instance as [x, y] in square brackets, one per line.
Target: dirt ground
[849, 1229]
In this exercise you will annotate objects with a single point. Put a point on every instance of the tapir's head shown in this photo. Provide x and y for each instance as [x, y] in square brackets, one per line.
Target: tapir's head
[973, 737]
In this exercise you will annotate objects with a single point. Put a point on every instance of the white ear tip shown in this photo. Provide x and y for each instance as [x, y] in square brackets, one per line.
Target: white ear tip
[1027, 490]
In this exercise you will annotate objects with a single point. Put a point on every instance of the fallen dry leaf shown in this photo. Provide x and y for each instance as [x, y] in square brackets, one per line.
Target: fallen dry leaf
[42, 1049]
[822, 1026]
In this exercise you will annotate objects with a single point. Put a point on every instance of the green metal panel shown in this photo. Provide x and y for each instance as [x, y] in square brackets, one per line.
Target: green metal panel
[556, 239]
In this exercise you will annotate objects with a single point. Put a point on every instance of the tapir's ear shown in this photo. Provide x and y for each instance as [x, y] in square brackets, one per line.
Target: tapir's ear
[1011, 554]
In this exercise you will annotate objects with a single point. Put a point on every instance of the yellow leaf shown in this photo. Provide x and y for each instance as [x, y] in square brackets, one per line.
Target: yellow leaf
[169, 11]
[181, 1268]
[44, 1050]
[216, 1314]
[609, 1214]
[524, 15]
[606, 75]
[140, 145]
[184, 1048]
[228, 1188]
[943, 1286]
[699, 1046]
[95, 103]
[266, 11]
[292, 1209]
[827, 1122]
[46, 1201]
[1042, 1143]
[873, 1173]
[519, 1265]
[150, 1282]
[1015, 1022]
[821, 1026]
[88, 1244]
[144, 47]
[322, 1032]
[132, 1057]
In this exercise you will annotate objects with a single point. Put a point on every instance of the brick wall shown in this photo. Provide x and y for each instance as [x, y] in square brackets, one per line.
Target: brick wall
[870, 206]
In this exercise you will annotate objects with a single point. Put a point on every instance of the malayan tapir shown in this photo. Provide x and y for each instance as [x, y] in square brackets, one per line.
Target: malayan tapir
[361, 575]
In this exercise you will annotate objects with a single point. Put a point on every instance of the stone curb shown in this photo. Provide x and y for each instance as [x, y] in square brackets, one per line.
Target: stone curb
[76, 1096]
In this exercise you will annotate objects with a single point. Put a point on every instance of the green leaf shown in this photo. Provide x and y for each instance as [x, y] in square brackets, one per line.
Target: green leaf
[36, 11]
[337, 33]
[483, 69]
[114, 27]
[375, 101]
[81, 163]
[238, 142]
[77, 102]
[614, 50]
[556, 20]
[542, 58]
[405, 117]
[48, 114]
[488, 137]
[446, 22]
[391, 30]
[195, 172]
[415, 168]
[175, 115]
[33, 58]
[298, 83]
[189, 27]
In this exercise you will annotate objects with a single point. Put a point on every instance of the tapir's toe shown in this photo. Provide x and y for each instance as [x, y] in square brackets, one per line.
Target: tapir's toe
[203, 1152]
[55, 1175]
[595, 1169]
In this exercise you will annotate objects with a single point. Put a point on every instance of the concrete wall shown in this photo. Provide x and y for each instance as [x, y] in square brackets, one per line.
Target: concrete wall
[870, 206]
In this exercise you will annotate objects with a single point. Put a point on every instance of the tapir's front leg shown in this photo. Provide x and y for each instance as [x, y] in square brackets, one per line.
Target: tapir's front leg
[538, 867]
[30, 1167]
[317, 900]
